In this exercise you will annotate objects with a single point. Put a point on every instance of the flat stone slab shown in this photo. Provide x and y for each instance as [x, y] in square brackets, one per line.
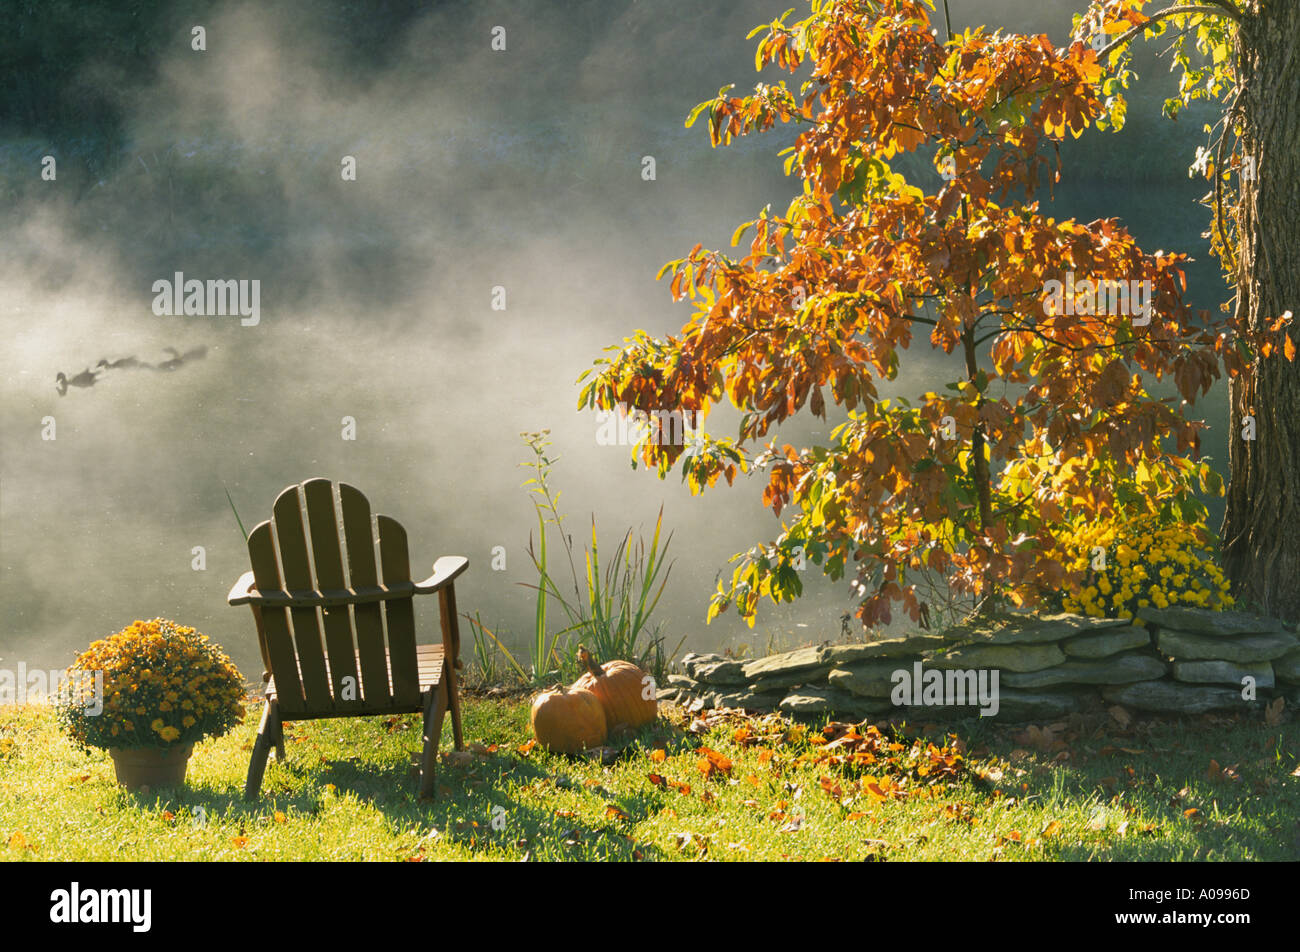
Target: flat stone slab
[1030, 629]
[827, 701]
[1287, 667]
[1022, 657]
[1249, 649]
[908, 647]
[784, 680]
[748, 700]
[1016, 705]
[1103, 644]
[788, 662]
[868, 679]
[714, 669]
[1202, 621]
[1172, 697]
[1223, 672]
[1122, 669]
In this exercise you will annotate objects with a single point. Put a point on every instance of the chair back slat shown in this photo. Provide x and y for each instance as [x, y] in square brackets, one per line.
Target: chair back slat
[292, 544]
[279, 652]
[323, 523]
[399, 614]
[360, 543]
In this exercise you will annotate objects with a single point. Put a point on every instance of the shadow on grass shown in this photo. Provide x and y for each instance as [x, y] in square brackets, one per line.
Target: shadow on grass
[473, 806]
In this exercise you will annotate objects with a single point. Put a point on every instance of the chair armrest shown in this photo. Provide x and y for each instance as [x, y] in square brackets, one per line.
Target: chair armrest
[242, 593]
[445, 571]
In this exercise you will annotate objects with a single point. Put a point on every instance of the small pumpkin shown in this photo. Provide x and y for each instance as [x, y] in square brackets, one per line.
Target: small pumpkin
[625, 691]
[567, 721]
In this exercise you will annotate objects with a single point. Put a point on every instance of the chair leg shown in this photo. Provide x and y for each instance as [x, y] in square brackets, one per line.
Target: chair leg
[266, 731]
[434, 711]
[453, 704]
[279, 742]
[451, 641]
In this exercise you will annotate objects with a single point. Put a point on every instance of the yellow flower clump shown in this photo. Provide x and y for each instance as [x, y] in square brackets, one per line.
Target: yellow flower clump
[164, 684]
[1145, 564]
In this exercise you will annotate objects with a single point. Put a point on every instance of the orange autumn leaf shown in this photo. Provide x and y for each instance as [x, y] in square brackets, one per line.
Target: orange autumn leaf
[658, 756]
[712, 762]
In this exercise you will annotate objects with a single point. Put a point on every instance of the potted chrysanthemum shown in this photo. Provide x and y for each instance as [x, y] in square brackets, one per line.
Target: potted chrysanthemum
[164, 688]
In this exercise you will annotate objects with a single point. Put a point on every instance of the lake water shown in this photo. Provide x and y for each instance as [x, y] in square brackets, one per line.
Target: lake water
[376, 305]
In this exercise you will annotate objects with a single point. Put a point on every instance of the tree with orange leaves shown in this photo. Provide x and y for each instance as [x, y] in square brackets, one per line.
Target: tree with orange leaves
[1053, 328]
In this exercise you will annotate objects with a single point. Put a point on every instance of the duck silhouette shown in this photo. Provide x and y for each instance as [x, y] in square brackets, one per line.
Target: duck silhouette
[125, 363]
[173, 362]
[84, 379]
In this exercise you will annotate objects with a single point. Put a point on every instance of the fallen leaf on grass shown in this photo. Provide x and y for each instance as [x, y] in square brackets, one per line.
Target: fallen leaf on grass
[18, 841]
[279, 816]
[696, 840]
[712, 762]
[795, 824]
[658, 756]
[615, 811]
[1121, 717]
[526, 748]
[1216, 773]
[239, 842]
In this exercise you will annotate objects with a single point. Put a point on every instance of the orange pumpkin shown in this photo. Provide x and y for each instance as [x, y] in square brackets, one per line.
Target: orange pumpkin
[567, 721]
[625, 691]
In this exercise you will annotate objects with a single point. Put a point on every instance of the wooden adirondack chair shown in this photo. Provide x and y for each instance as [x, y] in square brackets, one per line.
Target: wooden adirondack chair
[322, 640]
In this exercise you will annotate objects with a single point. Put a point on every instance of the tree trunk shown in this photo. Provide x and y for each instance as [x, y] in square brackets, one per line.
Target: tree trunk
[1261, 527]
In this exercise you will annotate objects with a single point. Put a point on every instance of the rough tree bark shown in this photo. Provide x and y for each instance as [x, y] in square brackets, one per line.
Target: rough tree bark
[1261, 527]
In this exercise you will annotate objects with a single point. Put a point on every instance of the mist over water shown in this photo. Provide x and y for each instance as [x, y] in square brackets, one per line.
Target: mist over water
[475, 169]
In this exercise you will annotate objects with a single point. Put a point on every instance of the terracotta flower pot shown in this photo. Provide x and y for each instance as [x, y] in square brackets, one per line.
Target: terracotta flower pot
[151, 767]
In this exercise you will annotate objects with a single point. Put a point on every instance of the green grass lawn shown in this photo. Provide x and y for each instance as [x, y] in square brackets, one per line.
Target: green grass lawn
[1207, 788]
